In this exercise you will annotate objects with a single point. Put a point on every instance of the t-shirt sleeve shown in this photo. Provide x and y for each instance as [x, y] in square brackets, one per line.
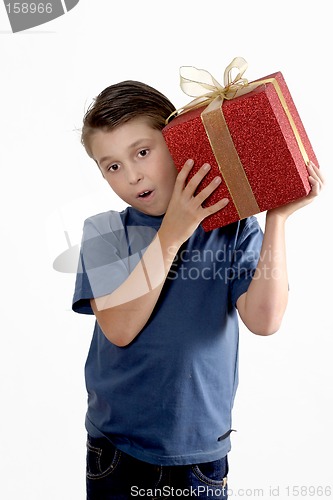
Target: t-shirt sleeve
[245, 257]
[82, 292]
[109, 253]
[101, 269]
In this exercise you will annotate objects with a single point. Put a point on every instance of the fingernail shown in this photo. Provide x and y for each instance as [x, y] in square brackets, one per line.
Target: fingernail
[206, 166]
[217, 180]
[190, 163]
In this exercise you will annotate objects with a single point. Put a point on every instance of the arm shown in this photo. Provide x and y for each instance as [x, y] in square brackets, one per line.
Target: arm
[123, 313]
[262, 307]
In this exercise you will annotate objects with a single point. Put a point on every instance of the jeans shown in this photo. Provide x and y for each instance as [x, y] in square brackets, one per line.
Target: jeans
[112, 474]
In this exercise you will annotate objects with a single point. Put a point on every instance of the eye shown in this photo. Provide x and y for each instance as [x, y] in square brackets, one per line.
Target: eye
[143, 153]
[113, 168]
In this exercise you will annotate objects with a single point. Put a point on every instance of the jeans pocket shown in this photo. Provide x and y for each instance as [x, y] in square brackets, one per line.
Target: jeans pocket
[212, 473]
[102, 458]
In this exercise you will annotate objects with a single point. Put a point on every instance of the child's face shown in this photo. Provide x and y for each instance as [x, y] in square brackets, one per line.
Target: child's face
[136, 163]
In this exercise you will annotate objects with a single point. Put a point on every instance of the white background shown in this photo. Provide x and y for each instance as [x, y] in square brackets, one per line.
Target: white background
[283, 409]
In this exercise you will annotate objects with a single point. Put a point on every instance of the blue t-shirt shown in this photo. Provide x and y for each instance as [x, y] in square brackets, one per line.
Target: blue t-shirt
[167, 397]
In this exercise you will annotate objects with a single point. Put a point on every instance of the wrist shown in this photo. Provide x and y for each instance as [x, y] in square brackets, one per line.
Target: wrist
[169, 244]
[276, 216]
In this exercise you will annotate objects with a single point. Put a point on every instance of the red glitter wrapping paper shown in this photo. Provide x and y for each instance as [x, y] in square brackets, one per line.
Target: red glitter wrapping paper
[265, 143]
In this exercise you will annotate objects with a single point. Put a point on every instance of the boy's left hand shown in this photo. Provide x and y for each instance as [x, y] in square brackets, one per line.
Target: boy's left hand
[317, 182]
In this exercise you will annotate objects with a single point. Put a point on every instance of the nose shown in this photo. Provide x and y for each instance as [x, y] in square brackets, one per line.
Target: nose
[133, 174]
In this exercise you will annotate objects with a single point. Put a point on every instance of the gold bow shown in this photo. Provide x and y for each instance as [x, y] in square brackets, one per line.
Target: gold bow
[200, 84]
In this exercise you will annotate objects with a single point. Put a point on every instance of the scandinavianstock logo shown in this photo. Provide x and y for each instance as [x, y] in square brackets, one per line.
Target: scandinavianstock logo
[25, 15]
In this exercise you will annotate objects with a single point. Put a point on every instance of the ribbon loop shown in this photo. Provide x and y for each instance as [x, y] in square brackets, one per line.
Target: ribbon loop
[195, 82]
[238, 63]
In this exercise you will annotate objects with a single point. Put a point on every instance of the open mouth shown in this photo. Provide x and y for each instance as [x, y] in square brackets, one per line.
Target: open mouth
[145, 194]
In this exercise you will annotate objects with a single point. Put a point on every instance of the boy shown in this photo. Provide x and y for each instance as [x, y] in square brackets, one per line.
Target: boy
[161, 372]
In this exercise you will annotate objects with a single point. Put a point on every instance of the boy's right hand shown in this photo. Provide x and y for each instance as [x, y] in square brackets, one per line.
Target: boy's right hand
[185, 211]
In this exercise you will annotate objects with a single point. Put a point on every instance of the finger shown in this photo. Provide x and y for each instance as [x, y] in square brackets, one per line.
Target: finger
[216, 207]
[183, 174]
[315, 172]
[316, 180]
[315, 186]
[208, 190]
[194, 182]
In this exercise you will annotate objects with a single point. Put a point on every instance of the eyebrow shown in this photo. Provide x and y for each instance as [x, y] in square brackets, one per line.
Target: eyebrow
[136, 143]
[131, 146]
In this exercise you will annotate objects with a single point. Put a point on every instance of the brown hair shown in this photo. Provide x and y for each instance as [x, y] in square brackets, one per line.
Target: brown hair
[122, 102]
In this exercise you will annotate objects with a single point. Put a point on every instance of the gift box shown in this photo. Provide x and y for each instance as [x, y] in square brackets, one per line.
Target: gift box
[252, 136]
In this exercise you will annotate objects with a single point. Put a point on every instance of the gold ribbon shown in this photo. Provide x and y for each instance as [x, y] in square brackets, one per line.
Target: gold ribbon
[209, 92]
[228, 161]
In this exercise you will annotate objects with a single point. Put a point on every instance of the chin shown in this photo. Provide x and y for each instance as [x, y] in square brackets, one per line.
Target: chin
[155, 213]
